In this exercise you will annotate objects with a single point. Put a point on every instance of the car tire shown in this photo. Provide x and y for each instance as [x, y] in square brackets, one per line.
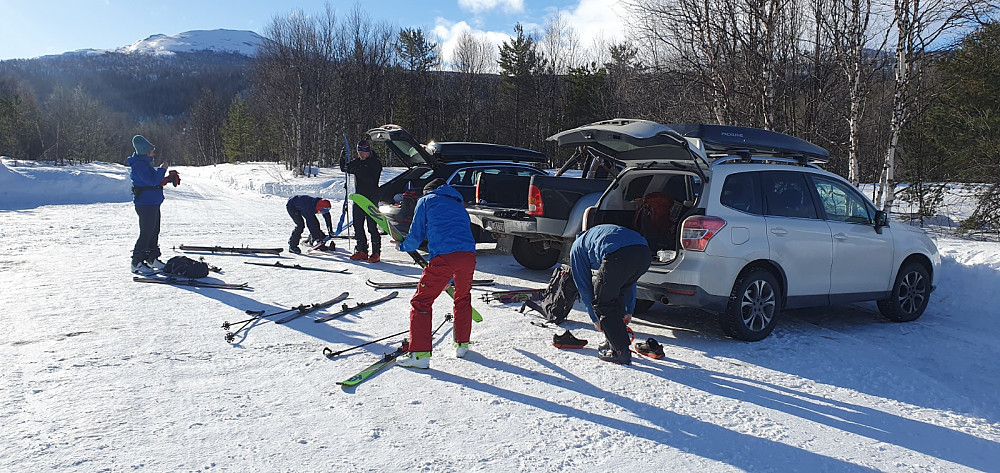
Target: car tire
[910, 294]
[754, 306]
[534, 255]
[642, 305]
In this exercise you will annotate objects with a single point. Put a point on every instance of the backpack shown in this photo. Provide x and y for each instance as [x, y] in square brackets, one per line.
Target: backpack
[558, 297]
[656, 219]
[184, 267]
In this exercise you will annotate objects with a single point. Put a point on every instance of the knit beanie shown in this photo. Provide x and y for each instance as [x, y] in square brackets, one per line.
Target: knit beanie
[433, 185]
[142, 146]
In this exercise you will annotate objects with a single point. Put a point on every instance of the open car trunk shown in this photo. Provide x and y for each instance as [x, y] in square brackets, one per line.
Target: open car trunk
[653, 203]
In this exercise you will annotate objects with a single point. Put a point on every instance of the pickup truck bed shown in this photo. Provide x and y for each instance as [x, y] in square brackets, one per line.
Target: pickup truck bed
[538, 237]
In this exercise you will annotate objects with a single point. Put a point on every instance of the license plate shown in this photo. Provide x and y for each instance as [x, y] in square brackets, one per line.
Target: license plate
[493, 225]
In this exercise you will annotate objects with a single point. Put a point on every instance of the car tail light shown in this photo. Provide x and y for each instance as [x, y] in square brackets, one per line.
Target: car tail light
[535, 205]
[698, 230]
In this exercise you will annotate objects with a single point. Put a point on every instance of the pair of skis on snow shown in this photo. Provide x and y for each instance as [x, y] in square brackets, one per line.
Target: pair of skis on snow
[299, 311]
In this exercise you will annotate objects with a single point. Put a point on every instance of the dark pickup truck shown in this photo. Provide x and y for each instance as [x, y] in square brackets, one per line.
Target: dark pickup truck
[460, 164]
[536, 218]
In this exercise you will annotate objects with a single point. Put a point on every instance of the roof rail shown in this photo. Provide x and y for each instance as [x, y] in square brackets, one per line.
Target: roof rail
[750, 158]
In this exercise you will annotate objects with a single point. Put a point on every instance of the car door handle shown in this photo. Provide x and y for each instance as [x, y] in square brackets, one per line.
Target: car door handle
[839, 236]
[779, 231]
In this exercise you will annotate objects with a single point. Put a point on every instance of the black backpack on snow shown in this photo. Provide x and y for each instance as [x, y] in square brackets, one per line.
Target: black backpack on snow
[184, 267]
[559, 296]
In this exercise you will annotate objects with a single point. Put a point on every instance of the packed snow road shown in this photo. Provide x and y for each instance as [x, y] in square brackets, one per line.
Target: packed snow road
[103, 374]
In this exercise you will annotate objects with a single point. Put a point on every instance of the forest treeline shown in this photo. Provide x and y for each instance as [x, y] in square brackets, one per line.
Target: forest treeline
[880, 85]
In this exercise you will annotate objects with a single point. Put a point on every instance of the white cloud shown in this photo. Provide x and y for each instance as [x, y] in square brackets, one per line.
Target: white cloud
[592, 19]
[448, 32]
[479, 6]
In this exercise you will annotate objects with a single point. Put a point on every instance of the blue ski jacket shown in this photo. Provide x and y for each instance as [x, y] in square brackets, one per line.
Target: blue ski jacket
[441, 219]
[146, 180]
[588, 254]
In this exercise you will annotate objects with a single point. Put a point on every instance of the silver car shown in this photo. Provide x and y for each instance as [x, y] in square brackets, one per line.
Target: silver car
[748, 224]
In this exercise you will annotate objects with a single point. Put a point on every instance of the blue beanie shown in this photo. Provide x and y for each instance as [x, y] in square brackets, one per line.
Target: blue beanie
[142, 145]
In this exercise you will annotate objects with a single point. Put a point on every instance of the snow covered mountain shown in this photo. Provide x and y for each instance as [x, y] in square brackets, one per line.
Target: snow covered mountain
[236, 41]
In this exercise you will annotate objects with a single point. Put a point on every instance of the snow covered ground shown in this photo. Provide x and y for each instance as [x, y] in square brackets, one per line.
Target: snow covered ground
[104, 374]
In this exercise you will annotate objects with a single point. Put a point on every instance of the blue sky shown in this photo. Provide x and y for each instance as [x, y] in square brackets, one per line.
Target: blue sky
[31, 28]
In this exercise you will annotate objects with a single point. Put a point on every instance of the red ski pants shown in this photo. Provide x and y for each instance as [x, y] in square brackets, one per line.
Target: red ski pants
[459, 265]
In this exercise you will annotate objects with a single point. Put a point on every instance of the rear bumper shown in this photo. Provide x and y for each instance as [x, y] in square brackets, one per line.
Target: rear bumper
[682, 295]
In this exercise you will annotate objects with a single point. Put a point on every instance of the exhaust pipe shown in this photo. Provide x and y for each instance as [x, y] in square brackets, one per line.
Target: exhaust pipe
[664, 300]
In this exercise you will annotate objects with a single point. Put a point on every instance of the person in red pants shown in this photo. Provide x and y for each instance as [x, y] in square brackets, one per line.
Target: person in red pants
[440, 219]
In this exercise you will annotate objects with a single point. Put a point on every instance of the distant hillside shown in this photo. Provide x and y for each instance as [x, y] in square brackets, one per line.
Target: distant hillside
[155, 77]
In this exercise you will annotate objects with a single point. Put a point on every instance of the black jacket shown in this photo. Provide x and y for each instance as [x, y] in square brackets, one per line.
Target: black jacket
[366, 174]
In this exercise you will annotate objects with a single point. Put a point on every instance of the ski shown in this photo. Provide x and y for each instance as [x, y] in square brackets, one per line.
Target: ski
[347, 309]
[319, 246]
[517, 295]
[408, 284]
[368, 372]
[192, 282]
[386, 360]
[277, 264]
[307, 308]
[229, 249]
[372, 210]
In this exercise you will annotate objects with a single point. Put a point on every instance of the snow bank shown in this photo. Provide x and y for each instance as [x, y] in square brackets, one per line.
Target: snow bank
[27, 184]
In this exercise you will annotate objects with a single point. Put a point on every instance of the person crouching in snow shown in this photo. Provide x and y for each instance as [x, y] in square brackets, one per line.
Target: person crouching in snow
[147, 195]
[441, 219]
[303, 210]
[620, 256]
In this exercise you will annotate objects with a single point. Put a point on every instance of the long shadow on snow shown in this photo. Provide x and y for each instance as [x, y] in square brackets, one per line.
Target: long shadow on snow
[676, 430]
[793, 350]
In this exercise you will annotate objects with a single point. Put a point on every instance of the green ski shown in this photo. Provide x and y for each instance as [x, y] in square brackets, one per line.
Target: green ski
[386, 360]
[372, 210]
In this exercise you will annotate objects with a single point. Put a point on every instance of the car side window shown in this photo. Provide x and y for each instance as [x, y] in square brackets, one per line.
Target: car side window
[840, 202]
[741, 192]
[787, 195]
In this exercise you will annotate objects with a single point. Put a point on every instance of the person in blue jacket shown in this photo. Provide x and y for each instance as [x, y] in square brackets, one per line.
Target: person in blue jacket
[620, 256]
[440, 219]
[147, 195]
[303, 210]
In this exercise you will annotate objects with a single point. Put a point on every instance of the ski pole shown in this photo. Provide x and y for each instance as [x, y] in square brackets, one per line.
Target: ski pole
[331, 354]
[257, 315]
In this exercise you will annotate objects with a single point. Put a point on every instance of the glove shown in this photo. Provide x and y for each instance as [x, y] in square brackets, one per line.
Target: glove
[175, 178]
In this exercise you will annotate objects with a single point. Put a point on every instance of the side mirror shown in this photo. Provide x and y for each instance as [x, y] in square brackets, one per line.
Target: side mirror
[881, 220]
[589, 217]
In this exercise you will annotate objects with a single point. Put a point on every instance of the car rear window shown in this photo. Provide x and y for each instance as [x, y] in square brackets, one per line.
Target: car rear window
[787, 195]
[741, 192]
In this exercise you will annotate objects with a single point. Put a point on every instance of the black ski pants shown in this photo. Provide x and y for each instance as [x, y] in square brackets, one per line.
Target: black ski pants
[360, 220]
[619, 271]
[301, 221]
[147, 247]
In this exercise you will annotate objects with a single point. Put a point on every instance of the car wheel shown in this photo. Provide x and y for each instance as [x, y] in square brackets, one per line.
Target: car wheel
[910, 294]
[754, 306]
[642, 305]
[534, 255]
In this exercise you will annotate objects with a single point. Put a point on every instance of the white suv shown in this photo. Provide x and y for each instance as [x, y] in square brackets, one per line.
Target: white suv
[754, 226]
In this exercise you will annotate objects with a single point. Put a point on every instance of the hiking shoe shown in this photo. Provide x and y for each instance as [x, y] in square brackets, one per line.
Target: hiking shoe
[360, 255]
[618, 357]
[416, 359]
[461, 349]
[156, 264]
[142, 268]
[650, 348]
[375, 258]
[295, 249]
[567, 340]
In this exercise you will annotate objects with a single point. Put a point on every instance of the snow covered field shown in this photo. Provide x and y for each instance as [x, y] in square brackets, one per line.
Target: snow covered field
[104, 374]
